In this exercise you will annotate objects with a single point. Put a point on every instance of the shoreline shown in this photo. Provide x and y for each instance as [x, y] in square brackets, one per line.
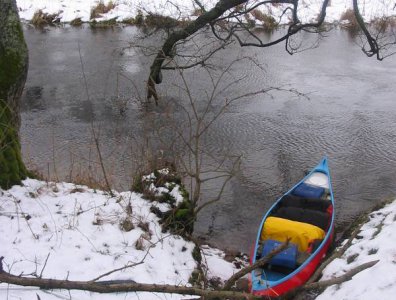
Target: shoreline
[134, 12]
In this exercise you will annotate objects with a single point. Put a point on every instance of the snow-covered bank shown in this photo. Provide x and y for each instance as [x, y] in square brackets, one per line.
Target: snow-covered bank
[69, 10]
[60, 230]
[375, 241]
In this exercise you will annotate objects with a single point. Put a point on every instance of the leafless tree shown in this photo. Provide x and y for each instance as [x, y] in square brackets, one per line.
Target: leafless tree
[189, 121]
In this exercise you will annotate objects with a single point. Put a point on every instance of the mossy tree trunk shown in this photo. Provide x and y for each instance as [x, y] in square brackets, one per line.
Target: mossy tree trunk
[13, 72]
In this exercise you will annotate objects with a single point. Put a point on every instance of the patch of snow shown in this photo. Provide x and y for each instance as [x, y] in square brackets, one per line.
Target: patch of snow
[216, 265]
[176, 193]
[376, 241]
[164, 171]
[149, 177]
[67, 231]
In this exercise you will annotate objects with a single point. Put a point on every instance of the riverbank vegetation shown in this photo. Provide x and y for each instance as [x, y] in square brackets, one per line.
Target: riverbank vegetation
[132, 12]
[101, 8]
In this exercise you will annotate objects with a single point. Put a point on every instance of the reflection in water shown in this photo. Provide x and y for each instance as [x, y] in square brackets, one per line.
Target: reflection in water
[349, 117]
[83, 112]
[33, 99]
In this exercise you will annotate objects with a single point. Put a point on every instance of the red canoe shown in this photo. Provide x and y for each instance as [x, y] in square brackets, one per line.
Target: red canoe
[305, 217]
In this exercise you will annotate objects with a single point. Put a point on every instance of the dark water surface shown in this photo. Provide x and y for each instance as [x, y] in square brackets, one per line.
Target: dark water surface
[349, 116]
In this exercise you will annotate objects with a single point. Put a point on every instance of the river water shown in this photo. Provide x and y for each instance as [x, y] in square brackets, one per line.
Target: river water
[349, 116]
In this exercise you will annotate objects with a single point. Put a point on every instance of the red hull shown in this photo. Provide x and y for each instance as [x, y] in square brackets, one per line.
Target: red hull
[301, 277]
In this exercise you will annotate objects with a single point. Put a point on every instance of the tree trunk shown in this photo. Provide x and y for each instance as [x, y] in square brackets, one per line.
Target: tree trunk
[13, 72]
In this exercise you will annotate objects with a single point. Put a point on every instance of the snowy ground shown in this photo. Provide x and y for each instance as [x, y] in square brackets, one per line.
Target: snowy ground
[376, 241]
[69, 10]
[60, 230]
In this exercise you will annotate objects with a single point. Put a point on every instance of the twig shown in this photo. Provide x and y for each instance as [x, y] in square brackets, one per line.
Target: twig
[130, 265]
[337, 280]
[102, 164]
[116, 270]
[45, 263]
[123, 268]
[96, 139]
[120, 286]
[24, 216]
[326, 283]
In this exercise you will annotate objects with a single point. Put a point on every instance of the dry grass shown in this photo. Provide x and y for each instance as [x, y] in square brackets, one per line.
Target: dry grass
[139, 244]
[268, 21]
[76, 22]
[145, 226]
[239, 8]
[349, 16]
[139, 19]
[197, 12]
[352, 258]
[372, 251]
[101, 8]
[250, 22]
[160, 21]
[103, 24]
[126, 225]
[87, 179]
[43, 19]
[384, 24]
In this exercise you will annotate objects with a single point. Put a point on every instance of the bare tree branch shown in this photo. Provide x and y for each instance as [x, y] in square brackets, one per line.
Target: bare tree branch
[220, 193]
[374, 50]
[174, 37]
[117, 286]
[226, 23]
[201, 62]
[337, 280]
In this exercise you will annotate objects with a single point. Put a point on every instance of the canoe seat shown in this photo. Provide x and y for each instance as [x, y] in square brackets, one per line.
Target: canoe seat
[310, 216]
[298, 233]
[308, 191]
[286, 258]
[296, 201]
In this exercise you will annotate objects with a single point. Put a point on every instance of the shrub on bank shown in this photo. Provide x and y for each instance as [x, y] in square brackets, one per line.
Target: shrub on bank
[159, 186]
[268, 21]
[348, 19]
[42, 19]
[385, 23]
[160, 21]
[104, 23]
[100, 9]
[76, 22]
